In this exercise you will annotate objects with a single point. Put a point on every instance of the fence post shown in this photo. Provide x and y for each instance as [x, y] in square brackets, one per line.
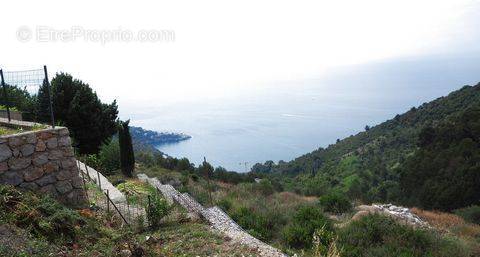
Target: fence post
[49, 95]
[5, 95]
[108, 202]
[88, 173]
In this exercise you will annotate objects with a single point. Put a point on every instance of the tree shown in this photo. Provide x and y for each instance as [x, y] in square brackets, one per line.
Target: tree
[77, 106]
[127, 157]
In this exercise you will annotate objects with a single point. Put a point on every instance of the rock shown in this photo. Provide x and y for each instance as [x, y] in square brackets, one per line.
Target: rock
[63, 132]
[15, 141]
[77, 182]
[49, 189]
[63, 187]
[67, 151]
[13, 178]
[33, 173]
[19, 163]
[27, 150]
[55, 154]
[44, 135]
[3, 166]
[40, 159]
[5, 152]
[64, 141]
[31, 138]
[65, 174]
[52, 143]
[46, 180]
[67, 163]
[41, 146]
[16, 152]
[50, 167]
[31, 186]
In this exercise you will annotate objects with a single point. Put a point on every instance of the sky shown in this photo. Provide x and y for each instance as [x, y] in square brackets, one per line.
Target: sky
[211, 49]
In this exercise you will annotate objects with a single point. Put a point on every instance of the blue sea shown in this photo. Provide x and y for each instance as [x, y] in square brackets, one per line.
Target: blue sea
[285, 120]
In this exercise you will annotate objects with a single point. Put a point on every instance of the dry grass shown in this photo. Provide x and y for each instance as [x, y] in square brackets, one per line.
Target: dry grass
[451, 223]
[440, 220]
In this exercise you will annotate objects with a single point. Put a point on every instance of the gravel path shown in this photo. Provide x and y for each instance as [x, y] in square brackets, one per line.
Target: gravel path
[217, 218]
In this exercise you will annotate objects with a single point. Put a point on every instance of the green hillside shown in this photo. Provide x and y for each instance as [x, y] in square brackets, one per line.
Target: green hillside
[367, 166]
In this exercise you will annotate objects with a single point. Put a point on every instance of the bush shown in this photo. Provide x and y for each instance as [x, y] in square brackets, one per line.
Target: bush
[470, 214]
[335, 203]
[157, 209]
[265, 187]
[109, 156]
[225, 204]
[257, 224]
[377, 235]
[308, 219]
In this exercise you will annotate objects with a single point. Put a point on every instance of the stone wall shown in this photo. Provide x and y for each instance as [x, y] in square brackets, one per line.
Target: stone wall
[42, 161]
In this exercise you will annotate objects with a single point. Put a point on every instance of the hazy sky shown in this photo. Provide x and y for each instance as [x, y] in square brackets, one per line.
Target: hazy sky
[223, 46]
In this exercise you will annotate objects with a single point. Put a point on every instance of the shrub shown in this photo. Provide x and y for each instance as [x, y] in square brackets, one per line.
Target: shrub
[470, 214]
[157, 209]
[335, 203]
[308, 219]
[259, 225]
[265, 187]
[377, 235]
[109, 156]
[225, 205]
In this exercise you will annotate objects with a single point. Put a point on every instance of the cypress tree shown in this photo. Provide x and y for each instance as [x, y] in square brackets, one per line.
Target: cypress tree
[127, 158]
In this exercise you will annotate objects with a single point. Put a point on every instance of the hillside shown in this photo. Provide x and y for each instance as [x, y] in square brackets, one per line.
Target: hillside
[366, 166]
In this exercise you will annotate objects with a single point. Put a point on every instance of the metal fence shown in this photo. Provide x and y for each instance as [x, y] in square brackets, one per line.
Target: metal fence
[29, 81]
[131, 210]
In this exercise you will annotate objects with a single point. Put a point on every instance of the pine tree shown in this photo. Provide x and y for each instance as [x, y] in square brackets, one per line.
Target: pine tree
[127, 157]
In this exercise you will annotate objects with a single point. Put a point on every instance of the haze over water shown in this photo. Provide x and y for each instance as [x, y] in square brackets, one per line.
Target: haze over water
[288, 119]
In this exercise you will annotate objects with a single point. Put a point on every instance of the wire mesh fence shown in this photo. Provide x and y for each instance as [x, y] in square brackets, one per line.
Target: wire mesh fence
[26, 95]
[131, 210]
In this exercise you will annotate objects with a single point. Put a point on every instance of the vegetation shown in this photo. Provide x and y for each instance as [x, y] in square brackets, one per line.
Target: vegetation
[127, 158]
[157, 209]
[379, 164]
[470, 214]
[335, 202]
[376, 235]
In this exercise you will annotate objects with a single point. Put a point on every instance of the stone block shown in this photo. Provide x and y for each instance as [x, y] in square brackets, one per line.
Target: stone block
[77, 182]
[51, 166]
[31, 138]
[31, 186]
[16, 152]
[13, 178]
[3, 167]
[46, 180]
[33, 173]
[49, 189]
[44, 135]
[41, 146]
[65, 174]
[5, 152]
[55, 154]
[15, 141]
[27, 149]
[19, 163]
[68, 163]
[64, 141]
[52, 143]
[67, 151]
[63, 187]
[63, 132]
[40, 158]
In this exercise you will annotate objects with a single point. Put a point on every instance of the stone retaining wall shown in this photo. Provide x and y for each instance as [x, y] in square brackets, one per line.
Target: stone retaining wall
[42, 161]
